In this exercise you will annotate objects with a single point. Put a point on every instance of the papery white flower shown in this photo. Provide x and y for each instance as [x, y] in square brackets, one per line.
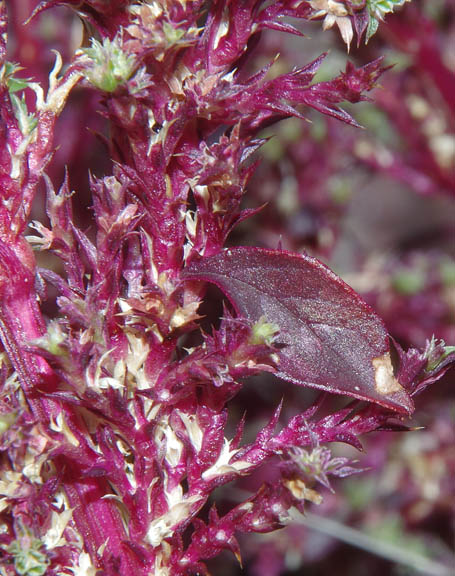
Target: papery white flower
[54, 536]
[84, 567]
[335, 13]
[223, 465]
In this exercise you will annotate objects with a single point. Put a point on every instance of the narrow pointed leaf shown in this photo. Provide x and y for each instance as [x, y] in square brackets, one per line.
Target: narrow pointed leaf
[332, 340]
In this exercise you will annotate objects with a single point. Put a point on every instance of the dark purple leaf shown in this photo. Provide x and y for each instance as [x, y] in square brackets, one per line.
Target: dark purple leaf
[332, 340]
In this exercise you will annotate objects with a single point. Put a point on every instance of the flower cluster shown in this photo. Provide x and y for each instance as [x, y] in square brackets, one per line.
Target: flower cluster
[118, 366]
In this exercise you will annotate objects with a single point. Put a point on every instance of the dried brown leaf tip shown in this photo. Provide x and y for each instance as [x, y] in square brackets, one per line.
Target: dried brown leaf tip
[386, 383]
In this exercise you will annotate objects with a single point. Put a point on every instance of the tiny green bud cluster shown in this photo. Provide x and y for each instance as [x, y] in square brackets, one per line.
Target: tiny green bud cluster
[108, 65]
[28, 559]
[263, 332]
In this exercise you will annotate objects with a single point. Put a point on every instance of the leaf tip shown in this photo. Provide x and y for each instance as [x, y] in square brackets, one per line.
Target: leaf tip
[388, 385]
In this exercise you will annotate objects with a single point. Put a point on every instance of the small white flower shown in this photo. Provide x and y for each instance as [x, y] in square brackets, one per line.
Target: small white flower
[335, 13]
[223, 465]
